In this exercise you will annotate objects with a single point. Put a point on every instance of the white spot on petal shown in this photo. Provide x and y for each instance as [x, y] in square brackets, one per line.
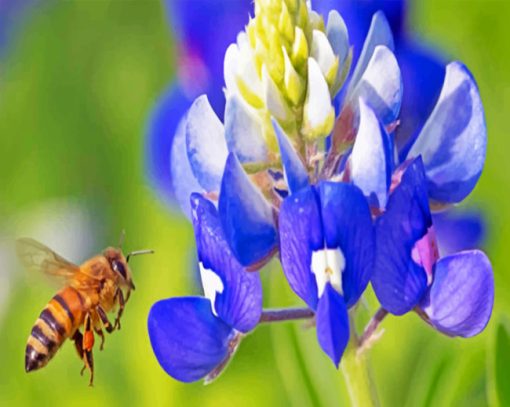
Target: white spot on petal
[212, 285]
[327, 266]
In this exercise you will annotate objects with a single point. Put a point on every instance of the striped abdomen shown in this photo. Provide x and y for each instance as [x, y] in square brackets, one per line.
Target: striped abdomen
[57, 322]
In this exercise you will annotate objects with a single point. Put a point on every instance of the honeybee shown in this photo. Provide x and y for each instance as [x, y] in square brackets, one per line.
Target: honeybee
[100, 285]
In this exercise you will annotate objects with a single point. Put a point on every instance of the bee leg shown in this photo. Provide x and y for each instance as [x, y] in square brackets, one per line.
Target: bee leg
[104, 319]
[78, 343]
[122, 303]
[100, 332]
[88, 344]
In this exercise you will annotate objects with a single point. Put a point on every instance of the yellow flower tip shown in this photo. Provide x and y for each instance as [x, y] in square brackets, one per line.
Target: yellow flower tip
[300, 50]
[302, 14]
[293, 82]
[285, 25]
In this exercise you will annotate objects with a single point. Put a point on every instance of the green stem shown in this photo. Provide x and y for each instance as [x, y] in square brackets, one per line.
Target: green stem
[357, 374]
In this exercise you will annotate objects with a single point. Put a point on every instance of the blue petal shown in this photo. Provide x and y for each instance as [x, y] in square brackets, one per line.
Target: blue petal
[183, 179]
[240, 302]
[294, 169]
[347, 224]
[423, 74]
[378, 34]
[246, 216]
[459, 230]
[244, 132]
[332, 324]
[205, 144]
[187, 339]
[371, 158]
[300, 234]
[162, 127]
[206, 28]
[454, 139]
[460, 300]
[398, 281]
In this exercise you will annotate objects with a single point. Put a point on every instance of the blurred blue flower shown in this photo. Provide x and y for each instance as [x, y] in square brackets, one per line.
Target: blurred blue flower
[459, 230]
[201, 49]
[12, 16]
[455, 294]
[194, 337]
[327, 248]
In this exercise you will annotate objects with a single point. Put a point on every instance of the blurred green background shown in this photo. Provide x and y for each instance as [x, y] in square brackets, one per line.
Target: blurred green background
[76, 88]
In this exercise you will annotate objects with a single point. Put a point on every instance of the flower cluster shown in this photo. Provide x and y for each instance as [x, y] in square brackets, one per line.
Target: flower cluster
[307, 165]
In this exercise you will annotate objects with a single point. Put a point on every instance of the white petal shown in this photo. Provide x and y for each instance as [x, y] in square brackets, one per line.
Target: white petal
[230, 68]
[244, 131]
[318, 114]
[275, 102]
[205, 144]
[369, 160]
[322, 52]
[338, 36]
[381, 85]
[378, 34]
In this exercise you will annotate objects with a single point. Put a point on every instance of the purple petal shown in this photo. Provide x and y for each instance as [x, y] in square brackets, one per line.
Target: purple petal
[205, 144]
[163, 124]
[300, 235]
[246, 216]
[239, 304]
[187, 339]
[371, 158]
[398, 281]
[183, 179]
[294, 169]
[459, 230]
[332, 324]
[460, 300]
[454, 138]
[347, 225]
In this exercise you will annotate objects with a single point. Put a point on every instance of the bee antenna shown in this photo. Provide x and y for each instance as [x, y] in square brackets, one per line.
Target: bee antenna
[137, 253]
[122, 238]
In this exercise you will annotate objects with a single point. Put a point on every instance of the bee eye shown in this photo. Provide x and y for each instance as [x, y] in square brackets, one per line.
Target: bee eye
[119, 268]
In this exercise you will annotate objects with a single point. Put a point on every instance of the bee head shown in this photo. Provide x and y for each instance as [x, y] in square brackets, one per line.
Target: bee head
[119, 265]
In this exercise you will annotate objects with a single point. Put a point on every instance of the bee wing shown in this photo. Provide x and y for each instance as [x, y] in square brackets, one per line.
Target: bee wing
[38, 257]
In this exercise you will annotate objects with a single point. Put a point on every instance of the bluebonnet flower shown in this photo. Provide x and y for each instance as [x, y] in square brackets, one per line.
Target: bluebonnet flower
[455, 294]
[302, 162]
[194, 337]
